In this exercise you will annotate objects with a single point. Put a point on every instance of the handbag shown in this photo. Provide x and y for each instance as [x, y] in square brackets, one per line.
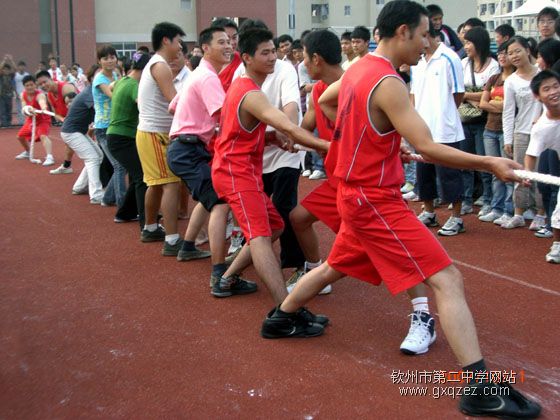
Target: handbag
[468, 112]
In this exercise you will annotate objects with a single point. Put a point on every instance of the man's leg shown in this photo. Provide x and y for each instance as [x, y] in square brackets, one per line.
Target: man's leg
[152, 203]
[302, 223]
[267, 267]
[169, 197]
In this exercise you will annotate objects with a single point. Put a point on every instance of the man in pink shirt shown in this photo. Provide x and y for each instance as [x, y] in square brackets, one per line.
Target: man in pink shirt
[196, 114]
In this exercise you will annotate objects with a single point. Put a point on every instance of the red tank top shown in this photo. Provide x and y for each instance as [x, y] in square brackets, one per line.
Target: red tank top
[40, 118]
[365, 156]
[325, 127]
[238, 153]
[57, 102]
[226, 75]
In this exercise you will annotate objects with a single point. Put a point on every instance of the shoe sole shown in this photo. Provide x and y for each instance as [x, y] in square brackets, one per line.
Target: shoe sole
[152, 239]
[300, 335]
[552, 260]
[230, 293]
[451, 233]
[197, 257]
[169, 253]
[415, 353]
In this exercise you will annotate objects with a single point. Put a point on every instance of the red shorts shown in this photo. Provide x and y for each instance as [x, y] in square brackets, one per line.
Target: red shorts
[321, 203]
[255, 213]
[41, 129]
[381, 239]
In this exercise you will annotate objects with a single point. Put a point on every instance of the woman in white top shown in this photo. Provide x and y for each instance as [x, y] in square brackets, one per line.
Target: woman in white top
[520, 110]
[478, 67]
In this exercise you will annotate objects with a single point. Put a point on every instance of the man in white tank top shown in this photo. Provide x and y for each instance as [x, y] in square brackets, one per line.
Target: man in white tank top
[155, 91]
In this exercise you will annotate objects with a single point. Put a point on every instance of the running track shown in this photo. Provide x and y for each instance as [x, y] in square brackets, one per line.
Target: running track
[96, 324]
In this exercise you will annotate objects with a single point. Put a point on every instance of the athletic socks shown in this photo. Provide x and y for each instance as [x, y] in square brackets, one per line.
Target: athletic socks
[151, 228]
[218, 270]
[477, 367]
[188, 246]
[172, 239]
[310, 266]
[67, 163]
[420, 304]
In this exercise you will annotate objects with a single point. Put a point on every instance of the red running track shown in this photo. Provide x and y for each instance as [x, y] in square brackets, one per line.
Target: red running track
[96, 324]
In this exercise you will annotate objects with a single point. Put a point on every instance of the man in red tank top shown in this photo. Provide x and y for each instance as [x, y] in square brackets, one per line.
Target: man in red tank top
[374, 110]
[237, 169]
[56, 91]
[33, 97]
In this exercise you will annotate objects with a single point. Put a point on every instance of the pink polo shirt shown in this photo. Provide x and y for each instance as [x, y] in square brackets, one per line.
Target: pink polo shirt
[196, 106]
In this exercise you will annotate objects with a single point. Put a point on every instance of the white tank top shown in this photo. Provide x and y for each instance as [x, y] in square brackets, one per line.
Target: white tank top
[153, 116]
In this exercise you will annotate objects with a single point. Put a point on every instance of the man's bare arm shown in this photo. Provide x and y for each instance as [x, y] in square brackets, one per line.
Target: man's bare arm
[309, 122]
[391, 97]
[164, 79]
[257, 105]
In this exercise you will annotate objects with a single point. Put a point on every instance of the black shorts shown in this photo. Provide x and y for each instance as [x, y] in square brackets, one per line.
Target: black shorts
[190, 161]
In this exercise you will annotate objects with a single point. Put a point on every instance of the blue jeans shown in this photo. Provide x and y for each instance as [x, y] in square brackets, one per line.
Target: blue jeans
[549, 164]
[116, 188]
[502, 192]
[317, 162]
[474, 143]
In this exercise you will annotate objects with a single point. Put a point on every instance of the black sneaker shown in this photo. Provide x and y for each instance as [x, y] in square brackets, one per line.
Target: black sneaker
[197, 254]
[169, 250]
[233, 285]
[497, 400]
[279, 324]
[157, 235]
[311, 317]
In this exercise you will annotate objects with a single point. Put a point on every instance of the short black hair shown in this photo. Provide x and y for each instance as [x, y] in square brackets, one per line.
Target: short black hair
[397, 13]
[43, 73]
[126, 64]
[557, 26]
[164, 30]
[540, 78]
[206, 35]
[474, 23]
[297, 45]
[548, 11]
[21, 63]
[325, 44]
[503, 47]
[105, 50]
[143, 48]
[505, 30]
[184, 47]
[361, 32]
[251, 24]
[532, 46]
[481, 41]
[28, 78]
[223, 22]
[250, 39]
[346, 36]
[304, 34]
[284, 38]
[549, 50]
[434, 10]
[195, 61]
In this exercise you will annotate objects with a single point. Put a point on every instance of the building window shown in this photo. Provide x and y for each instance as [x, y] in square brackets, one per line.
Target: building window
[124, 49]
[509, 7]
[491, 8]
[518, 3]
[380, 1]
[482, 9]
[186, 4]
[518, 24]
[491, 25]
[319, 13]
[347, 10]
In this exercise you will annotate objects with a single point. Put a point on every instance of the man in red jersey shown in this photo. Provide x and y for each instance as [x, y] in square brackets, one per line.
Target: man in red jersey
[237, 168]
[322, 56]
[373, 112]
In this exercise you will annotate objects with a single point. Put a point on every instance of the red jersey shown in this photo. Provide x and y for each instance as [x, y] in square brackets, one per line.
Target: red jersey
[40, 118]
[226, 75]
[238, 153]
[366, 157]
[325, 127]
[57, 102]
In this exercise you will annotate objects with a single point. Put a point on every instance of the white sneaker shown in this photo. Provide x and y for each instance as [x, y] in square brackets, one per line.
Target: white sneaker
[420, 335]
[528, 214]
[317, 174]
[515, 222]
[428, 219]
[23, 155]
[49, 161]
[538, 223]
[407, 187]
[485, 210]
[61, 170]
[554, 255]
[466, 209]
[410, 196]
[307, 172]
[544, 233]
[298, 274]
[479, 202]
[489, 217]
[452, 227]
[504, 218]
[236, 242]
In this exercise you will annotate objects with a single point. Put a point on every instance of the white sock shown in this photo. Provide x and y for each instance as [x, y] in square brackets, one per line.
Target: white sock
[310, 266]
[420, 304]
[172, 239]
[151, 228]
